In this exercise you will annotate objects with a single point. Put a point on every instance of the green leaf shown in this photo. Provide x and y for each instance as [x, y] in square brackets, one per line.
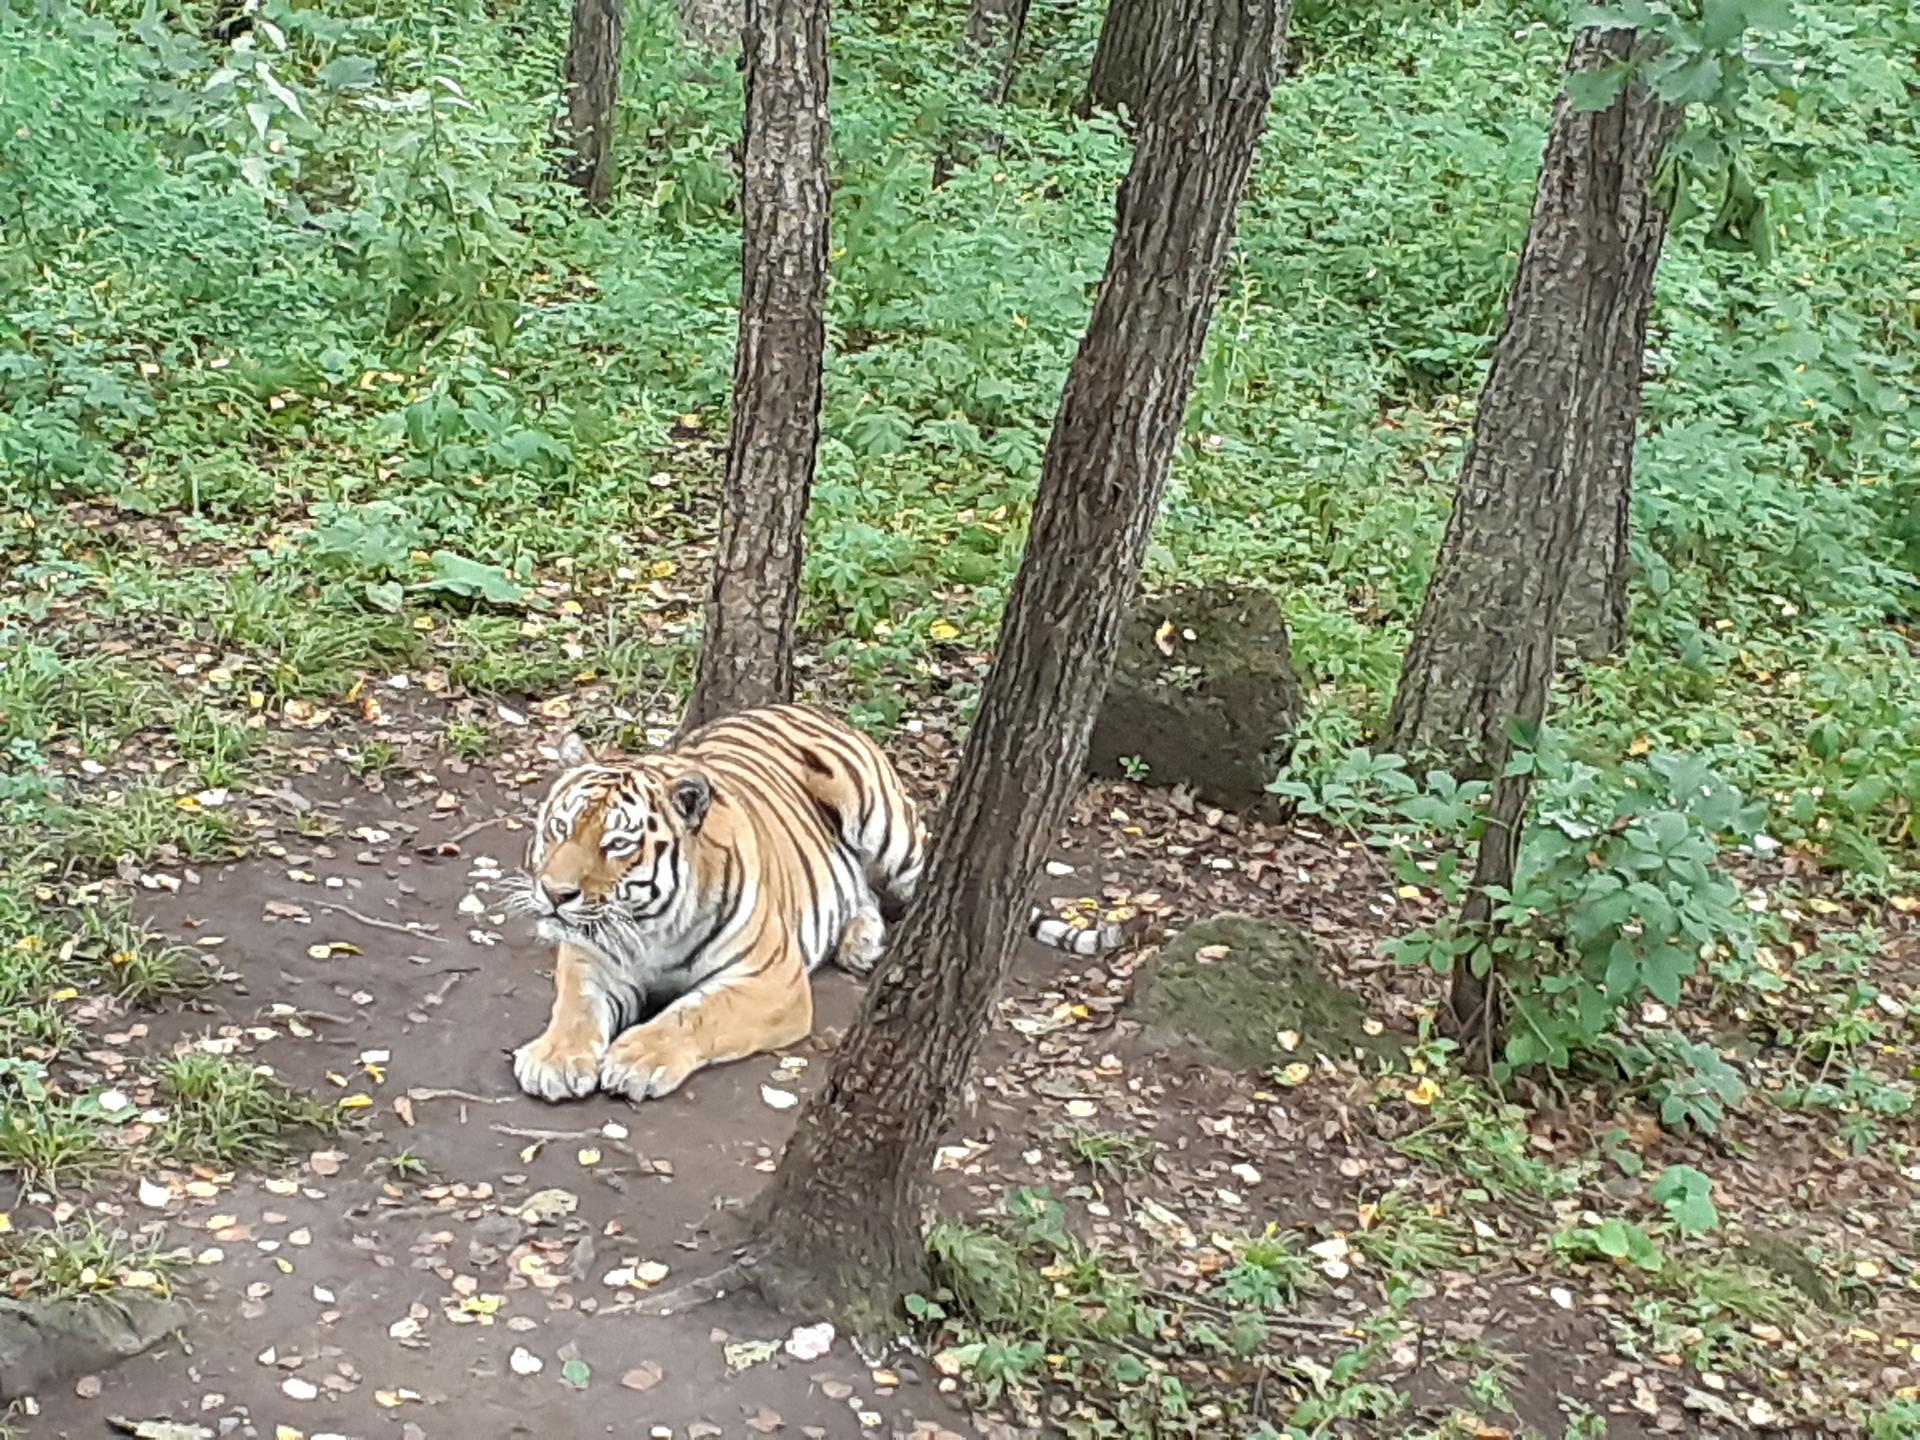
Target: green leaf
[1687, 79]
[347, 72]
[1687, 1194]
[455, 574]
[1599, 88]
[576, 1373]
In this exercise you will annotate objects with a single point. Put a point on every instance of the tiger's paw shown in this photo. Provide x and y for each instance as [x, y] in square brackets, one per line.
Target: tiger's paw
[550, 1069]
[647, 1062]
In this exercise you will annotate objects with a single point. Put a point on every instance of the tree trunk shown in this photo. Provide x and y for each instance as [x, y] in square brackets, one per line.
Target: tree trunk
[1540, 515]
[991, 43]
[593, 86]
[746, 650]
[990, 48]
[840, 1226]
[1123, 56]
[711, 26]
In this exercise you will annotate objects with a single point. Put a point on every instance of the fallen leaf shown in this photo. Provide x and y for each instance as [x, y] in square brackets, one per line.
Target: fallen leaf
[642, 1377]
[810, 1342]
[525, 1362]
[543, 1207]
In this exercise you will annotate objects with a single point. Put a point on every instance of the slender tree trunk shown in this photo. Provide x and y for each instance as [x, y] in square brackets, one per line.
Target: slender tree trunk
[840, 1227]
[593, 87]
[990, 48]
[1123, 56]
[746, 650]
[1550, 461]
[991, 43]
[711, 26]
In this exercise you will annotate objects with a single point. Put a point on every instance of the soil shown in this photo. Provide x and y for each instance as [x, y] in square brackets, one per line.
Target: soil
[305, 1289]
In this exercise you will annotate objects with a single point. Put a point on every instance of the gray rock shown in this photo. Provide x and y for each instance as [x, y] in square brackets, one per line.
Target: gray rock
[1225, 988]
[45, 1341]
[1203, 694]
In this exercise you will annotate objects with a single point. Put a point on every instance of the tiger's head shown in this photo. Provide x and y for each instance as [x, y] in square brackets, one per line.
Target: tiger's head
[611, 848]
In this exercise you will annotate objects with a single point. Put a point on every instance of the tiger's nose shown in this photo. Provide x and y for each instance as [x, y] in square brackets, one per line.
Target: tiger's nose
[558, 895]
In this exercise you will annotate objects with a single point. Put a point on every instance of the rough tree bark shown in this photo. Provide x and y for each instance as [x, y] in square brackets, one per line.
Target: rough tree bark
[746, 649]
[1550, 458]
[593, 86]
[1124, 55]
[840, 1227]
[711, 26]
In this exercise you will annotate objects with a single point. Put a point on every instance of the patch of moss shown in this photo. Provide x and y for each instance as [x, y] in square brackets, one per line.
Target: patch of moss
[1226, 987]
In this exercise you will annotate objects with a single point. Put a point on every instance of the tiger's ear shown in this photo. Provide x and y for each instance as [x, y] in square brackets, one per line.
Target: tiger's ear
[692, 797]
[573, 750]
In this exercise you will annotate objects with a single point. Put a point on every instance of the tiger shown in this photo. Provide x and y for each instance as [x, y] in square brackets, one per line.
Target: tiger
[690, 893]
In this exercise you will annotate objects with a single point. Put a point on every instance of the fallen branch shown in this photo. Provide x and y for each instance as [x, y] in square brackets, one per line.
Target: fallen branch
[394, 925]
[431, 1094]
[464, 833]
[520, 1132]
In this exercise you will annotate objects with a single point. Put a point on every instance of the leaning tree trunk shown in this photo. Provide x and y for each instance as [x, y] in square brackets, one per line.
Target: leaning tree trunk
[1593, 604]
[840, 1226]
[990, 49]
[593, 85]
[746, 650]
[711, 26]
[1549, 461]
[1123, 56]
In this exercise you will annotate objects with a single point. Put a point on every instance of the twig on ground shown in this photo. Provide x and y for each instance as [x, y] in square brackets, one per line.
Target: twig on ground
[464, 833]
[440, 1094]
[394, 925]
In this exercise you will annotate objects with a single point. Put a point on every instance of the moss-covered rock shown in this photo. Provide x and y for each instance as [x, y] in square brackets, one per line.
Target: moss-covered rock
[1227, 987]
[46, 1341]
[1203, 694]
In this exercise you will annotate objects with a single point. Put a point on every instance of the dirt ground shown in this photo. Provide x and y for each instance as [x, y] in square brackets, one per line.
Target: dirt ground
[343, 1299]
[466, 1262]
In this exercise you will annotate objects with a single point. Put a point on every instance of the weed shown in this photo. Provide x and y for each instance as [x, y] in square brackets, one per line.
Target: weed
[227, 1113]
[75, 1263]
[1110, 1154]
[469, 739]
[1404, 1236]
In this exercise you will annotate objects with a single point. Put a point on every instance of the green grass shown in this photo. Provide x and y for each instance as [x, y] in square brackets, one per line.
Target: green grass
[143, 821]
[1110, 1154]
[79, 1262]
[1405, 1237]
[52, 1146]
[220, 1111]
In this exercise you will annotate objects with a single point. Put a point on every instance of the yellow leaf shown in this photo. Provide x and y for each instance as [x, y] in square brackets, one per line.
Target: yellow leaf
[589, 1156]
[1425, 1092]
[1296, 1073]
[942, 630]
[6, 1223]
[356, 1102]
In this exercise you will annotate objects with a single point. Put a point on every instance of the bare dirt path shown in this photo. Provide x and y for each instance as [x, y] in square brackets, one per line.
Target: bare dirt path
[396, 1282]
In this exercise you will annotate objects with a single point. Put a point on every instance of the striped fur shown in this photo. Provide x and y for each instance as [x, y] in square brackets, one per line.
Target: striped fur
[691, 892]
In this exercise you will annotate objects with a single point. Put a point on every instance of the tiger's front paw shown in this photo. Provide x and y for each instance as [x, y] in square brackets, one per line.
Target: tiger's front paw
[553, 1068]
[648, 1062]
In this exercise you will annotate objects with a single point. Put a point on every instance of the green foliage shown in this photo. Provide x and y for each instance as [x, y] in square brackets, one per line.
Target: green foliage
[220, 1111]
[1687, 1195]
[1026, 1305]
[1618, 894]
